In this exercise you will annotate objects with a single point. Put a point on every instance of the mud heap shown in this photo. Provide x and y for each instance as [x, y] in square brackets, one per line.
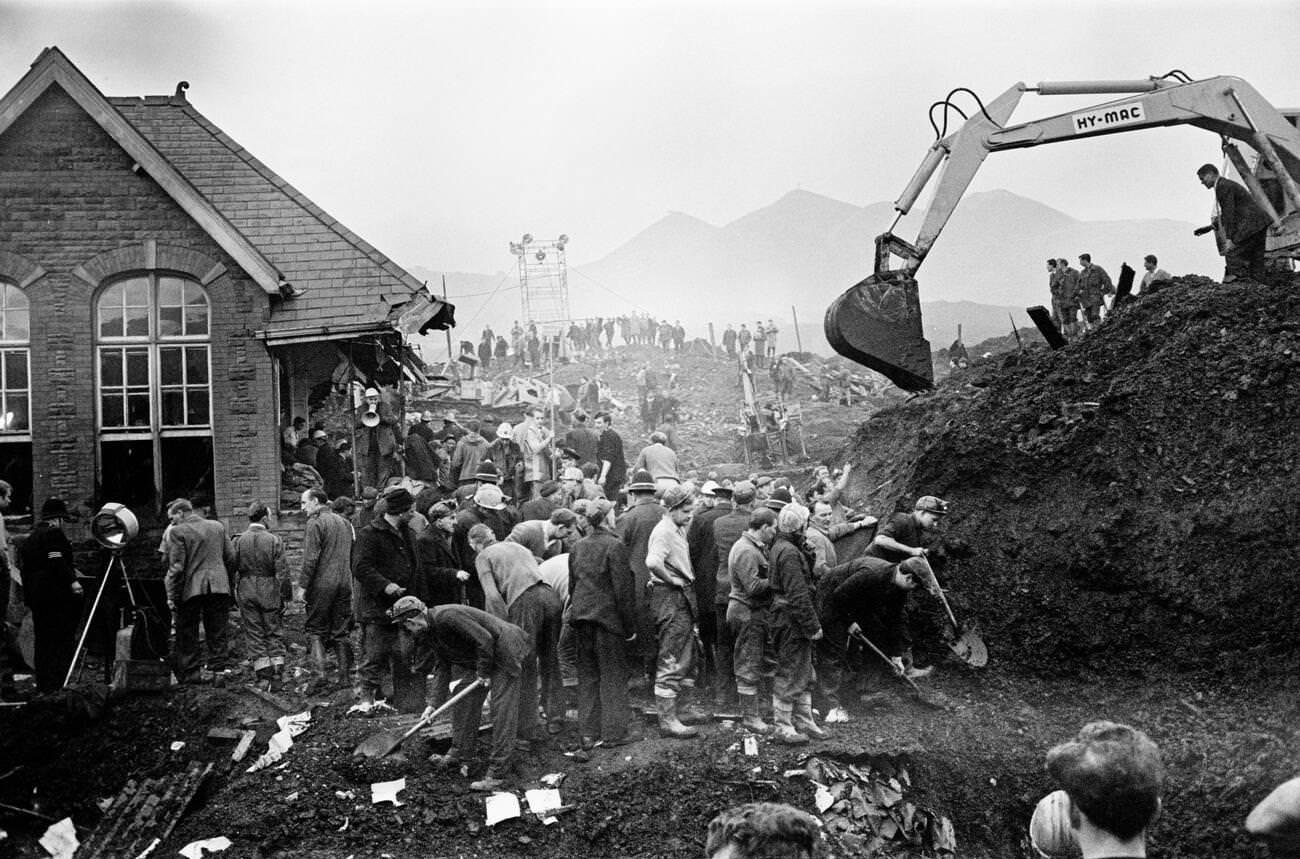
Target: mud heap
[1129, 500]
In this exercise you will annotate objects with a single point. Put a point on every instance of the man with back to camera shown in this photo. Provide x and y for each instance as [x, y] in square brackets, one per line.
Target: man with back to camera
[1113, 778]
[326, 581]
[199, 557]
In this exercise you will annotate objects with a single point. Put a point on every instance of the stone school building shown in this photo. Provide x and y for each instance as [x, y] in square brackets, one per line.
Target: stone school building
[168, 302]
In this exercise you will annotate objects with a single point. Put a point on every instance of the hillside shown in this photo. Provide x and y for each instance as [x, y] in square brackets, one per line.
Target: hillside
[1129, 500]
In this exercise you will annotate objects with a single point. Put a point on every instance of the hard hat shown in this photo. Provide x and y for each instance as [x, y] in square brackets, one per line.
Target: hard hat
[1049, 828]
[372, 392]
[572, 474]
[710, 488]
[642, 482]
[489, 497]
[506, 431]
[931, 504]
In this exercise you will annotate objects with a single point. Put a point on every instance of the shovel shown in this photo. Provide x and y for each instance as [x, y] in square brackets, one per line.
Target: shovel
[898, 672]
[383, 743]
[966, 642]
[967, 645]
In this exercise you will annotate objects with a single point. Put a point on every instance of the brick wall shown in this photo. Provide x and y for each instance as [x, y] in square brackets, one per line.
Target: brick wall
[70, 201]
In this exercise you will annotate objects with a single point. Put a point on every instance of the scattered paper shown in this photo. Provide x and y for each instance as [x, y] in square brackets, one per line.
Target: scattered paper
[751, 747]
[542, 802]
[552, 779]
[282, 740]
[387, 791]
[823, 799]
[292, 797]
[178, 745]
[502, 806]
[196, 849]
[345, 794]
[364, 709]
[60, 840]
[144, 854]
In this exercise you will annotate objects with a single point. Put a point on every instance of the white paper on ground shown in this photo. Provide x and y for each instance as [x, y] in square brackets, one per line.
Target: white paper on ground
[196, 849]
[60, 840]
[823, 798]
[543, 801]
[387, 791]
[501, 806]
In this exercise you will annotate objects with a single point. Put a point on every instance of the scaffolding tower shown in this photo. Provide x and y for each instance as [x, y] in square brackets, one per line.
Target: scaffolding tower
[543, 282]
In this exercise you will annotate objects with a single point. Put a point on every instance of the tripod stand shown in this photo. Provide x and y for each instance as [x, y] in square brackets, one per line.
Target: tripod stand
[78, 655]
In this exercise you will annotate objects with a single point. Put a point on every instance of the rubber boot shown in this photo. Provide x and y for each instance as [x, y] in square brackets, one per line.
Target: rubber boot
[343, 653]
[316, 647]
[804, 721]
[691, 713]
[751, 720]
[669, 726]
[785, 733]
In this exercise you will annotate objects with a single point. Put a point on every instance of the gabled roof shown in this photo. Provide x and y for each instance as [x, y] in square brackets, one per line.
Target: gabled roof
[345, 285]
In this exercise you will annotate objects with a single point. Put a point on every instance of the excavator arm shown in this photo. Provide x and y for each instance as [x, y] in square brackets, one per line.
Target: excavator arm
[878, 321]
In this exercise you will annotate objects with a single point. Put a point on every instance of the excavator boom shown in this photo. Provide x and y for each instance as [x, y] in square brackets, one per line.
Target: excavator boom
[877, 322]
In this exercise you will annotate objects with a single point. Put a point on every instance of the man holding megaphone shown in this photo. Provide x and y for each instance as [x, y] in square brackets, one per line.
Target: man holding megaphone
[378, 441]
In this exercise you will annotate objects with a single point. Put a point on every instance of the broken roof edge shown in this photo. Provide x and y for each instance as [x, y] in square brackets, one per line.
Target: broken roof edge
[421, 314]
[53, 67]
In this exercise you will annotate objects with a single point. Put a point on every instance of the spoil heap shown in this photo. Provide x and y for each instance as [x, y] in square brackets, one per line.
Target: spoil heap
[1129, 500]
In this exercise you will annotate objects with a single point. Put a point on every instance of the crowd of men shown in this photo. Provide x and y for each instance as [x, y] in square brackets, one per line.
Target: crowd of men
[561, 595]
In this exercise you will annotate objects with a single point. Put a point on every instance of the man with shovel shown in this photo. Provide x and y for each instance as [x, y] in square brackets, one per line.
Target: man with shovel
[469, 644]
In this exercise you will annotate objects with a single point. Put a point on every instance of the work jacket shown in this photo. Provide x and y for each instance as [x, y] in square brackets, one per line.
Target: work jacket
[473, 640]
[792, 586]
[384, 555]
[261, 569]
[199, 559]
[326, 555]
[602, 589]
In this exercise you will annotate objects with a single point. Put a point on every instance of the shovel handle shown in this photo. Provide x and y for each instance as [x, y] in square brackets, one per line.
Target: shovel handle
[429, 715]
[892, 667]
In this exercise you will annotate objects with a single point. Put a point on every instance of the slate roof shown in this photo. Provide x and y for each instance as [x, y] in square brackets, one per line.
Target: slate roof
[347, 282]
[343, 284]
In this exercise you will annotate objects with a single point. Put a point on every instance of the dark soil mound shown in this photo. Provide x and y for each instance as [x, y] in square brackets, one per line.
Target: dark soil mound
[1130, 499]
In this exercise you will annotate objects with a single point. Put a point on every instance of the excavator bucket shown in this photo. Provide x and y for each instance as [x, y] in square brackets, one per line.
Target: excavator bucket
[877, 323]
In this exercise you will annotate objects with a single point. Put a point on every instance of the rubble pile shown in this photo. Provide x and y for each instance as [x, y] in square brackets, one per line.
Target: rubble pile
[1128, 498]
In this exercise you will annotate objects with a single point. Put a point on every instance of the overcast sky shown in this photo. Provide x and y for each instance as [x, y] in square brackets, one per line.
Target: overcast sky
[441, 131]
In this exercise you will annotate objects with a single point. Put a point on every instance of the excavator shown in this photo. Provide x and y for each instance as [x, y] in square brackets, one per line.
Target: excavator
[877, 322]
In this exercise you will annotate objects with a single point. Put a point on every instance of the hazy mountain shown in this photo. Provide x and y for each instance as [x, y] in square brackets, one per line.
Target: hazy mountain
[804, 249]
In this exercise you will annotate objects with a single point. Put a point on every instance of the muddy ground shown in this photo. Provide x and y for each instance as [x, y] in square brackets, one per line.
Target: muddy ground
[1123, 531]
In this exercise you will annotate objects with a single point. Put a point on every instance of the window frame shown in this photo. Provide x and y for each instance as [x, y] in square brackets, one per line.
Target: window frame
[15, 346]
[152, 344]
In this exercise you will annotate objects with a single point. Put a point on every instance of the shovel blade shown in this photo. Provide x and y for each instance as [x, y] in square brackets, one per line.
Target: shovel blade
[377, 745]
[969, 648]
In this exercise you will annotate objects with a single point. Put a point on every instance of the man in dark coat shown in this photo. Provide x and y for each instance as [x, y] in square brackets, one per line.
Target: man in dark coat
[326, 582]
[383, 570]
[611, 456]
[715, 503]
[333, 470]
[634, 527]
[442, 575]
[1243, 223]
[378, 442]
[52, 592]
[200, 557]
[602, 612]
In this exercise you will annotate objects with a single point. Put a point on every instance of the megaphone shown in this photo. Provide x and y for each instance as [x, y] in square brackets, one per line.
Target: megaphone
[370, 419]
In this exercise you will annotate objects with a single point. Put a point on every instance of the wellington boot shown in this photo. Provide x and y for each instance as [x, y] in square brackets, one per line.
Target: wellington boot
[804, 720]
[316, 647]
[751, 720]
[669, 726]
[691, 713]
[785, 732]
[343, 653]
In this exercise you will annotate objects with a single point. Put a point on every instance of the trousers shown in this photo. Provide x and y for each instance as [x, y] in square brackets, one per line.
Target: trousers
[602, 682]
[675, 624]
[213, 611]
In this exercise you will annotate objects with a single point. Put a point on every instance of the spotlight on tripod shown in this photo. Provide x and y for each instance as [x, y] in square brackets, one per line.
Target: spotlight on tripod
[113, 527]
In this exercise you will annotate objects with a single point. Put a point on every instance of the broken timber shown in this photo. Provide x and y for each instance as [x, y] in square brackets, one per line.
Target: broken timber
[144, 812]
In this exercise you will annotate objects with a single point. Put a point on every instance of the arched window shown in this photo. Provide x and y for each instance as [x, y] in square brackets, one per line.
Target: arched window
[155, 389]
[15, 396]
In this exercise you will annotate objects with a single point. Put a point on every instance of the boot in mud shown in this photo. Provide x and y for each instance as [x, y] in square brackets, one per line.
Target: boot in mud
[669, 726]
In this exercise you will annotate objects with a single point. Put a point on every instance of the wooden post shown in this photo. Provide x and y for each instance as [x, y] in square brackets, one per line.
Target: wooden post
[797, 338]
[450, 357]
[713, 346]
